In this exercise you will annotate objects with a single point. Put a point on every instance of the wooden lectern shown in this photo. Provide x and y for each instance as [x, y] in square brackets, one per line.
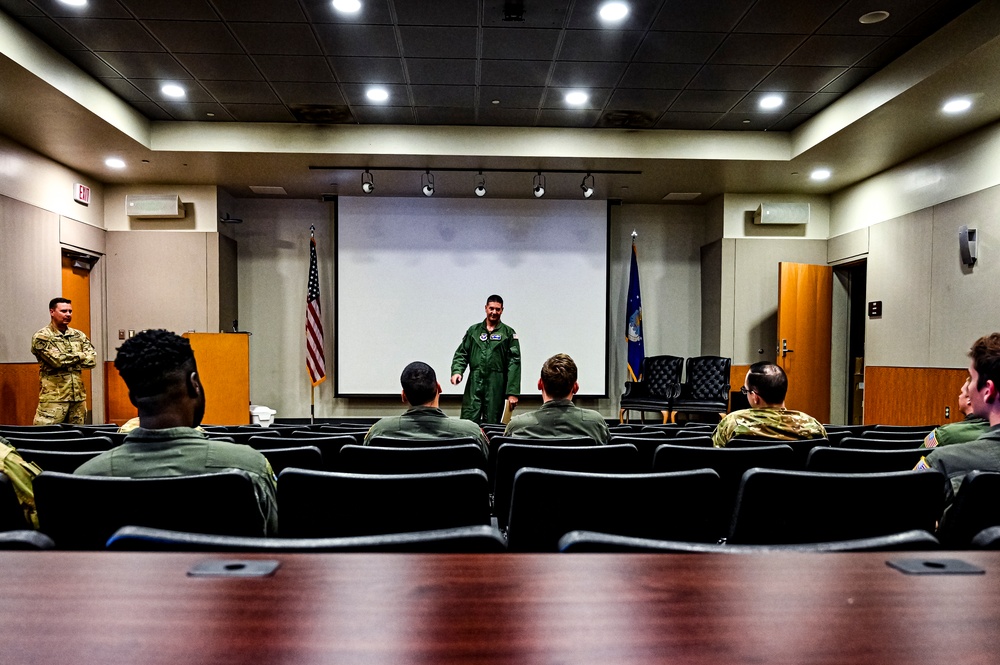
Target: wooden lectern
[224, 367]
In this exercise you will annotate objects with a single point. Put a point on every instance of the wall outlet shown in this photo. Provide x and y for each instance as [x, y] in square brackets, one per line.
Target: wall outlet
[947, 412]
[121, 333]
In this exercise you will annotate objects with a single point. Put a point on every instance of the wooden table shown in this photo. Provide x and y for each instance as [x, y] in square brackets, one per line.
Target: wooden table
[141, 608]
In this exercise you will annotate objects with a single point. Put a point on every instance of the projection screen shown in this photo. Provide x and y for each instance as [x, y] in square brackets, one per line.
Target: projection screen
[414, 274]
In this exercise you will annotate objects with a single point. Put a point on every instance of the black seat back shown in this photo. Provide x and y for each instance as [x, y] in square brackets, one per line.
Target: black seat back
[58, 460]
[294, 457]
[375, 459]
[869, 443]
[861, 460]
[976, 507]
[76, 444]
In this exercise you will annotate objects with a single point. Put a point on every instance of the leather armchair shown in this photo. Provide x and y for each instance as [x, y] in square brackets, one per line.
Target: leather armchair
[660, 385]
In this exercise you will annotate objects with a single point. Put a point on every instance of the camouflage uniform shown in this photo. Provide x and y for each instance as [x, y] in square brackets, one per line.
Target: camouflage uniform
[559, 418]
[427, 422]
[494, 362]
[61, 356]
[21, 474]
[767, 422]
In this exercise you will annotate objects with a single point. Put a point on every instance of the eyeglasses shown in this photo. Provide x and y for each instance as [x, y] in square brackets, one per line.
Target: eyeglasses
[747, 391]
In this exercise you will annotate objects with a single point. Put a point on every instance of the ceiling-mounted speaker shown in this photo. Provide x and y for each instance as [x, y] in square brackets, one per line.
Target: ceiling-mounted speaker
[967, 245]
[158, 206]
[782, 213]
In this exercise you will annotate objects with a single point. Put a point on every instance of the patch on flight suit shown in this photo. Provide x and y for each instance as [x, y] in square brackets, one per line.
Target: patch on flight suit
[496, 337]
[482, 338]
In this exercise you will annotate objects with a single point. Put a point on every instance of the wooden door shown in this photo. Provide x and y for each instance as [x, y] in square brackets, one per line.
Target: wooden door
[76, 287]
[805, 321]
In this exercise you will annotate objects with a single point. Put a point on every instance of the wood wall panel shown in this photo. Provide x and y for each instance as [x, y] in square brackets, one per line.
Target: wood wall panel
[912, 395]
[18, 393]
[117, 406]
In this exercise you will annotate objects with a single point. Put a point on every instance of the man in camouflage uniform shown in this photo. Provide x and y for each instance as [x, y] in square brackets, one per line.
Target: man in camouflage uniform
[493, 355]
[424, 419]
[61, 352]
[765, 387]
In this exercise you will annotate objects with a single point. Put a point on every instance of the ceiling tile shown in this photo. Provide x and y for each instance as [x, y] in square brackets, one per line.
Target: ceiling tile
[439, 12]
[355, 94]
[652, 101]
[790, 122]
[277, 38]
[600, 45]
[445, 116]
[751, 103]
[178, 10]
[587, 74]
[513, 72]
[688, 16]
[368, 70]
[151, 110]
[786, 16]
[816, 103]
[728, 77]
[220, 67]
[672, 120]
[833, 51]
[93, 9]
[519, 43]
[928, 22]
[744, 122]
[683, 47]
[372, 12]
[194, 93]
[125, 90]
[507, 117]
[295, 94]
[540, 15]
[265, 11]
[628, 119]
[568, 118]
[747, 49]
[511, 97]
[437, 71]
[705, 101]
[443, 95]
[556, 98]
[640, 15]
[800, 79]
[92, 64]
[19, 8]
[295, 68]
[241, 92]
[358, 40]
[259, 113]
[52, 34]
[110, 34]
[901, 12]
[194, 36]
[424, 42]
[849, 79]
[654, 75]
[384, 115]
[891, 49]
[161, 66]
[193, 110]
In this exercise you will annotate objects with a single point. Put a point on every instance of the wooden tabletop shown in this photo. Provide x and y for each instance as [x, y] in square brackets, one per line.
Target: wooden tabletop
[142, 608]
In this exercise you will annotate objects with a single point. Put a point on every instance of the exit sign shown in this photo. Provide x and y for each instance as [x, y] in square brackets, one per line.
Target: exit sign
[81, 194]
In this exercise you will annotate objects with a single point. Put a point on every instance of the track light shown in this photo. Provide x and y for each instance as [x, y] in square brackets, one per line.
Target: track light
[480, 184]
[539, 182]
[428, 184]
[367, 182]
[588, 190]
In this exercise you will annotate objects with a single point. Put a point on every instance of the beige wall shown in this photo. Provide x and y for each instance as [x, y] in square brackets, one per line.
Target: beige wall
[738, 212]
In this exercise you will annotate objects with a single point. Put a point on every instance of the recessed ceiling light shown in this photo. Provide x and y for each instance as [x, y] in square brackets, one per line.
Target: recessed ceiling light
[172, 90]
[771, 102]
[873, 17]
[613, 11]
[576, 97]
[114, 163]
[820, 174]
[495, 101]
[377, 95]
[74, 3]
[347, 6]
[957, 106]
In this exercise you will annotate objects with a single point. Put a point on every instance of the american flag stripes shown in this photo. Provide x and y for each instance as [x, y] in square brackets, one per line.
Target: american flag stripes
[315, 357]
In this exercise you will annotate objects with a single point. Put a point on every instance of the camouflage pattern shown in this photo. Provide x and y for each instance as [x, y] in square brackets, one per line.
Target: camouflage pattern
[427, 422]
[772, 423]
[61, 356]
[968, 430]
[53, 413]
[494, 359]
[21, 475]
[559, 418]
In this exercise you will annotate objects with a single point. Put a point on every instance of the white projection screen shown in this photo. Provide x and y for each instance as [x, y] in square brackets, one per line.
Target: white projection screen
[414, 274]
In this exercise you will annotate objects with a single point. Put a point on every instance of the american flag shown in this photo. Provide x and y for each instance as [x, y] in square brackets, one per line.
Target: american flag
[315, 358]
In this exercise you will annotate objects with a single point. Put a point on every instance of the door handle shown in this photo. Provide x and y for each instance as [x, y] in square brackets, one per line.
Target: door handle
[784, 348]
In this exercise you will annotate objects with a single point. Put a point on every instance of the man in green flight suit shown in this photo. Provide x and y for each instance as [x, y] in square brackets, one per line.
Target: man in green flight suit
[493, 355]
[62, 352]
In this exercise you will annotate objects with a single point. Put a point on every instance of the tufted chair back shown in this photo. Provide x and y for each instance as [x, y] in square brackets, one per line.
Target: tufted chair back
[662, 375]
[707, 379]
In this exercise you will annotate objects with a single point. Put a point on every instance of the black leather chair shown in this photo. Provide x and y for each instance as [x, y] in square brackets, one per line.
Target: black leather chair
[785, 507]
[512, 457]
[39, 433]
[322, 504]
[646, 445]
[329, 444]
[589, 541]
[11, 514]
[801, 447]
[896, 435]
[659, 387]
[497, 441]
[868, 443]
[403, 442]
[25, 539]
[430, 459]
[294, 457]
[903, 428]
[860, 460]
[463, 540]
[705, 389]
[547, 504]
[58, 460]
[976, 507]
[11, 429]
[987, 539]
[81, 512]
[75, 444]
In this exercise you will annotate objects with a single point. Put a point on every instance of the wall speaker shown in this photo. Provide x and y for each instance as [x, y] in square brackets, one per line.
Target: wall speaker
[782, 213]
[160, 206]
[967, 245]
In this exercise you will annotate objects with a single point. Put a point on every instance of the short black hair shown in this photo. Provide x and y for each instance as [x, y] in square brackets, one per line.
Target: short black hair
[58, 301]
[494, 298]
[419, 383]
[152, 360]
[769, 381]
[985, 354]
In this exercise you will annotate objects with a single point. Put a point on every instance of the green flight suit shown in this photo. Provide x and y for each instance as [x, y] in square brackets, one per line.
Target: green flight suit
[61, 356]
[494, 362]
[427, 422]
[559, 418]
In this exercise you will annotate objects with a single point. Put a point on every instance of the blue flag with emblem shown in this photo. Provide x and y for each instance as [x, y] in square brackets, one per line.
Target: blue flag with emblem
[633, 321]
